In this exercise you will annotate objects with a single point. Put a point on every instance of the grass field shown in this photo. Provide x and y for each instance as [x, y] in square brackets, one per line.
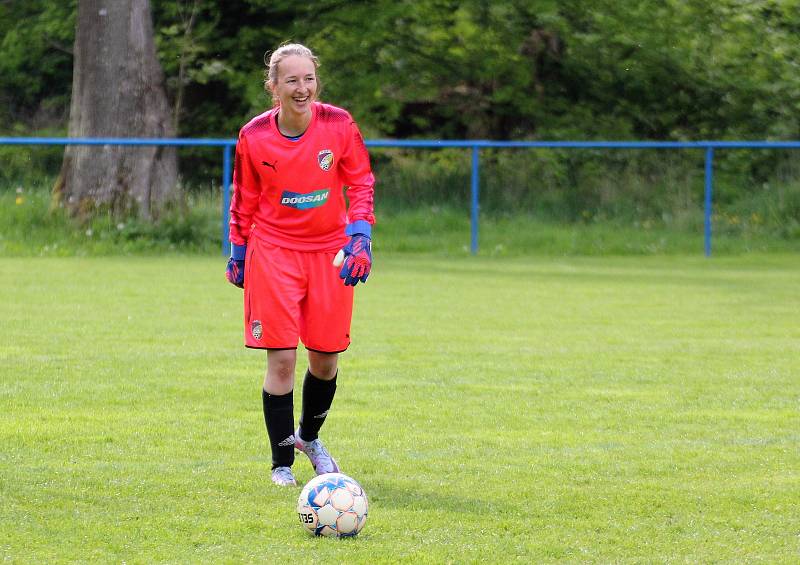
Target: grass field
[578, 410]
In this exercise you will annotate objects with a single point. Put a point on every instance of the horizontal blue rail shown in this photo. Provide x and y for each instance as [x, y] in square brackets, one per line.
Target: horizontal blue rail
[419, 143]
[115, 141]
[474, 145]
[589, 144]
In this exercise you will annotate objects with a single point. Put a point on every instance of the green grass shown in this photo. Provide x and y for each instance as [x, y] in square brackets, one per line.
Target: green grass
[447, 231]
[578, 410]
[29, 228]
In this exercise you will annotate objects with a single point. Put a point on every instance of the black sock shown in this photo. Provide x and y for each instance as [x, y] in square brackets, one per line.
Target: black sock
[279, 417]
[317, 400]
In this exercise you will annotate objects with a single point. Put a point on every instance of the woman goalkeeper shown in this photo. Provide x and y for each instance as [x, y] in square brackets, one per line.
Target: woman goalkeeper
[297, 249]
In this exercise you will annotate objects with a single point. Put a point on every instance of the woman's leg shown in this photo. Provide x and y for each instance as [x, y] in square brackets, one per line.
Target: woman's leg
[277, 395]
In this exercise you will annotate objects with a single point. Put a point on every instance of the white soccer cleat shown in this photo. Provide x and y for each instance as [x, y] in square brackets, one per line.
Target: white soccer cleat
[283, 477]
[320, 459]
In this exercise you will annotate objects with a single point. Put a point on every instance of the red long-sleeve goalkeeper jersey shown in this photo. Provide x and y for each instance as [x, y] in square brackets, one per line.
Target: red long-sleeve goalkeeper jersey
[291, 193]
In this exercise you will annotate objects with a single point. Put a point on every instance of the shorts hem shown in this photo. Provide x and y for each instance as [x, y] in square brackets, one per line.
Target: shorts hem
[328, 352]
[269, 348]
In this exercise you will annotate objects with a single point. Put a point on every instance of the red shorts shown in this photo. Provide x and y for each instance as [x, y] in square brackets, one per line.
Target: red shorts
[291, 295]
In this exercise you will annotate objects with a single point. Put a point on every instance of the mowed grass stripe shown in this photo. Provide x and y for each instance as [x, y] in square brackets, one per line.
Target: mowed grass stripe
[534, 409]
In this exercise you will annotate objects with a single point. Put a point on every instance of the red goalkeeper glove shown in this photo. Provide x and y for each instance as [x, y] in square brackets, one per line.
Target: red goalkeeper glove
[356, 256]
[235, 270]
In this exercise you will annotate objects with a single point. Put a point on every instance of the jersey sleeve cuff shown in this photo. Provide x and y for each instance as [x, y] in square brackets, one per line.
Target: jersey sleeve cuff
[359, 226]
[238, 252]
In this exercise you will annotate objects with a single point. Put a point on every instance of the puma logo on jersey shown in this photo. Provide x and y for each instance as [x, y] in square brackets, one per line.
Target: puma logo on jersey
[270, 165]
[287, 442]
[304, 201]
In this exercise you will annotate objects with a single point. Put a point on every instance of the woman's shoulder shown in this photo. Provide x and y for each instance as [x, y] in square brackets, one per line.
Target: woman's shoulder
[261, 122]
[328, 113]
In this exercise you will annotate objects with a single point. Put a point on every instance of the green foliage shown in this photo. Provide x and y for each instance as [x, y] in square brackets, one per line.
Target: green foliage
[441, 68]
[767, 222]
[35, 65]
[514, 69]
[30, 225]
[30, 166]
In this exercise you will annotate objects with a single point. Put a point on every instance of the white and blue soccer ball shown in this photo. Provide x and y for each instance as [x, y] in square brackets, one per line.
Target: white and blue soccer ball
[333, 505]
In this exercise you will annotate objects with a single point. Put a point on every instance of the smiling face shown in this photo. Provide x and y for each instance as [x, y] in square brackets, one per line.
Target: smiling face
[296, 84]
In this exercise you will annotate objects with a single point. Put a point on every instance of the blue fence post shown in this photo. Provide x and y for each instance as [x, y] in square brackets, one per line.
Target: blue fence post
[226, 198]
[474, 207]
[708, 191]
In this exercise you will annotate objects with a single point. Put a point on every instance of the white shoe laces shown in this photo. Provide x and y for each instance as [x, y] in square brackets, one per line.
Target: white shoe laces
[316, 449]
[319, 456]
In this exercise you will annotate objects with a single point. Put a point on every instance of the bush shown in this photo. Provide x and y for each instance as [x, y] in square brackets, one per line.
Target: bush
[30, 225]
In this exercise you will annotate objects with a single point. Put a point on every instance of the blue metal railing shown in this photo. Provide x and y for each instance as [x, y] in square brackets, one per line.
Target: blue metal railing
[475, 145]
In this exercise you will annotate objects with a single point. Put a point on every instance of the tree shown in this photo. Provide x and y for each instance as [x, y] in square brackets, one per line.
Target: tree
[117, 91]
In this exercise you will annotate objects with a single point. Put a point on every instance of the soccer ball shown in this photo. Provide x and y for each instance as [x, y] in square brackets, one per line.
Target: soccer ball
[332, 505]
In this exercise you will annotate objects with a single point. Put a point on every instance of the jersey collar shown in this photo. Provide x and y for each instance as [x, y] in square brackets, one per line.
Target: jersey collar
[289, 142]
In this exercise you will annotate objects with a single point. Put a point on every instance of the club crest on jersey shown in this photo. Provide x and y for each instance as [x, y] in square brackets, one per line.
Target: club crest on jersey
[255, 329]
[304, 201]
[325, 159]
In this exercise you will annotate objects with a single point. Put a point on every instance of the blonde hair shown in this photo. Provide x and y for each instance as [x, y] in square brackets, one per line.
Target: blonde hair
[286, 50]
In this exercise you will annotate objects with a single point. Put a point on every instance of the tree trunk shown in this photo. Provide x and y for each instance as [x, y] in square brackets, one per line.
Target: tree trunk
[117, 91]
